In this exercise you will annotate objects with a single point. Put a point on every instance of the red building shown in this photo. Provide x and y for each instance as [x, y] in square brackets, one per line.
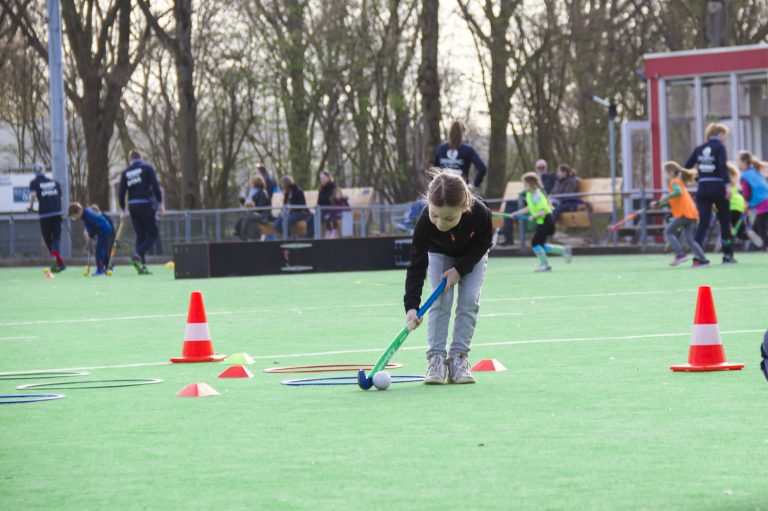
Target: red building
[689, 89]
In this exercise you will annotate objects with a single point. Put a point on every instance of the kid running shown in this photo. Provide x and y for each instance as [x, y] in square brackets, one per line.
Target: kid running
[685, 216]
[97, 227]
[540, 209]
[755, 190]
[47, 192]
[451, 240]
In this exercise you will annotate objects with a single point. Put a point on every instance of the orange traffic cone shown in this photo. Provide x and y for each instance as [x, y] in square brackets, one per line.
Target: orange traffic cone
[706, 352]
[197, 338]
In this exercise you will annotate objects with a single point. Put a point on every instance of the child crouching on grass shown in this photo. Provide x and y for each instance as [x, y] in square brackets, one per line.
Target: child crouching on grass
[540, 209]
[451, 240]
[97, 227]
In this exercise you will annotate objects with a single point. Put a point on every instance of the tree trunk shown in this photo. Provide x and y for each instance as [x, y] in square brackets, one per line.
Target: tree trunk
[97, 136]
[500, 104]
[429, 84]
[187, 123]
[497, 148]
[295, 94]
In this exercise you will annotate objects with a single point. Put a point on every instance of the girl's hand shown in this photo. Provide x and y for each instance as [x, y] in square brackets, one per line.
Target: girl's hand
[412, 320]
[452, 276]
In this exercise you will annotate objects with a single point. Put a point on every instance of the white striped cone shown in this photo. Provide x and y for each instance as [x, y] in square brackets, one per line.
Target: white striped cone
[706, 352]
[198, 346]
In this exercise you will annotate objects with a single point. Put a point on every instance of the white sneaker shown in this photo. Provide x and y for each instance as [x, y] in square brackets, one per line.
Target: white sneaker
[458, 370]
[567, 254]
[542, 267]
[435, 371]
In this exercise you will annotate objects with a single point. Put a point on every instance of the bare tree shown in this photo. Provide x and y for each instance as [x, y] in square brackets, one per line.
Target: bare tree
[429, 81]
[508, 57]
[106, 50]
[180, 45]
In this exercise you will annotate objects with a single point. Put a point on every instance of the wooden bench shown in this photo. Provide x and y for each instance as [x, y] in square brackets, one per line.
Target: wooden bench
[594, 205]
[361, 197]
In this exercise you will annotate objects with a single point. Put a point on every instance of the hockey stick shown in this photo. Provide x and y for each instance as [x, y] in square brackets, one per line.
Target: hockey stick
[366, 383]
[629, 218]
[510, 215]
[87, 268]
[116, 243]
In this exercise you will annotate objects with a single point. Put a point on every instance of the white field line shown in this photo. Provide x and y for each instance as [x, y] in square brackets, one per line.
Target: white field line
[409, 348]
[499, 314]
[364, 306]
[20, 338]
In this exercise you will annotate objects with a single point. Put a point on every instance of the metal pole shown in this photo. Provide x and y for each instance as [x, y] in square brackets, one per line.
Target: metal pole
[58, 118]
[612, 142]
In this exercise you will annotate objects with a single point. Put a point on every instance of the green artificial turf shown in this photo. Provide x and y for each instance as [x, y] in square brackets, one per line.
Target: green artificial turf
[588, 416]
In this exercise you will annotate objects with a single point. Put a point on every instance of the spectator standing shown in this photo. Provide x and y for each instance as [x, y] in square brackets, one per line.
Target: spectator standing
[456, 156]
[140, 188]
[270, 185]
[47, 192]
[710, 159]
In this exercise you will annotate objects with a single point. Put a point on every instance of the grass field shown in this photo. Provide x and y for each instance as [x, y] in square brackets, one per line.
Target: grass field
[588, 416]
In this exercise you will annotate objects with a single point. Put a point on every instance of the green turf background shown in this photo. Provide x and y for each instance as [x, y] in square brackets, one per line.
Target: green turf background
[589, 422]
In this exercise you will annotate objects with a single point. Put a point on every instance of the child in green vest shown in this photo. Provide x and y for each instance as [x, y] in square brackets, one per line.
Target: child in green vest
[540, 209]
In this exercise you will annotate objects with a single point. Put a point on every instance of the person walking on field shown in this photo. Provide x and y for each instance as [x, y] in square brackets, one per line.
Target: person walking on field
[710, 159]
[48, 194]
[140, 189]
[456, 156]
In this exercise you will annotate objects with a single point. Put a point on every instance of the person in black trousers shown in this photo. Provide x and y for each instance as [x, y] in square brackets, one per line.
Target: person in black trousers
[47, 192]
[710, 160]
[145, 201]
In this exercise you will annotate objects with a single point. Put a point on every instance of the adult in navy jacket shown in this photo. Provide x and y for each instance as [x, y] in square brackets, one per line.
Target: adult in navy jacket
[145, 201]
[714, 186]
[457, 156]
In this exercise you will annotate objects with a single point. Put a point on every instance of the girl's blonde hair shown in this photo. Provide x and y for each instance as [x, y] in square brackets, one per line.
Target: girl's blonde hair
[533, 179]
[674, 168]
[448, 189]
[257, 181]
[715, 129]
[733, 173]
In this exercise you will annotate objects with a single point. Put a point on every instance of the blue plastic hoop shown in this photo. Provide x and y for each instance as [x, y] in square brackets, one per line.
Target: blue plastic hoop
[348, 380]
[28, 398]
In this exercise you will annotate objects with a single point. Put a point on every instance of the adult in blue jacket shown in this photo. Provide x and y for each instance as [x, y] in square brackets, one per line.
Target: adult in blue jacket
[145, 201]
[710, 159]
[457, 156]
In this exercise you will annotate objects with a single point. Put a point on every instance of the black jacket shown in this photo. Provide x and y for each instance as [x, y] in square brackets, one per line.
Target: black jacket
[467, 243]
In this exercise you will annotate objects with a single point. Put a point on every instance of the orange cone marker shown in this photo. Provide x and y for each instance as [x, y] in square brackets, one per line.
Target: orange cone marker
[489, 364]
[197, 390]
[706, 352]
[197, 338]
[236, 372]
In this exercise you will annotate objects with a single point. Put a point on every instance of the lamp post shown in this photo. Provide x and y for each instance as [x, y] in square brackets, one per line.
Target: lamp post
[58, 115]
[612, 145]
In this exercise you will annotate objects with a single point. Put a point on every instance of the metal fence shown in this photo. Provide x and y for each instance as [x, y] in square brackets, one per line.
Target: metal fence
[20, 233]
